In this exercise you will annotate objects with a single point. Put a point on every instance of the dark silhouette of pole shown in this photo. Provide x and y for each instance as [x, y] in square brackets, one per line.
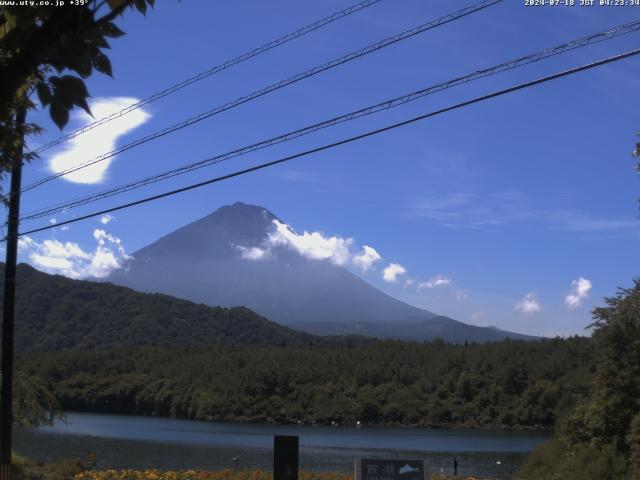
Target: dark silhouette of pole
[285, 457]
[8, 304]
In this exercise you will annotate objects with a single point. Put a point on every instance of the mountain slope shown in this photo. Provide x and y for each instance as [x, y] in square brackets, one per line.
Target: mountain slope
[453, 331]
[205, 262]
[55, 312]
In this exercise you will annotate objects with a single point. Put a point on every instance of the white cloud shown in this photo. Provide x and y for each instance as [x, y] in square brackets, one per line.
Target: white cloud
[24, 243]
[52, 263]
[366, 258]
[529, 304]
[438, 281]
[70, 260]
[579, 291]
[392, 272]
[105, 219]
[312, 245]
[53, 221]
[253, 253]
[56, 249]
[97, 141]
[317, 246]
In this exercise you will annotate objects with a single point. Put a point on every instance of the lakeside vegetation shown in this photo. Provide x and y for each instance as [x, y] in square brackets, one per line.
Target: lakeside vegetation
[510, 384]
[252, 474]
[75, 470]
[587, 389]
[600, 438]
[248, 474]
[249, 369]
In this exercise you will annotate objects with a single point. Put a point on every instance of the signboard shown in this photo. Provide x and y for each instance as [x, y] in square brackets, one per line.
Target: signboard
[91, 460]
[285, 457]
[395, 469]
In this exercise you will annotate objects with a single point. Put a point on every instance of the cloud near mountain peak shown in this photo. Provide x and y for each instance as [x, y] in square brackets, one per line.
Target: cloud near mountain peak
[312, 245]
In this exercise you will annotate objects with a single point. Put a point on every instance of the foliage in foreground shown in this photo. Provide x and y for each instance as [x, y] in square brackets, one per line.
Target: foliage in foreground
[600, 439]
[25, 469]
[557, 460]
[33, 404]
[253, 474]
[39, 39]
[510, 384]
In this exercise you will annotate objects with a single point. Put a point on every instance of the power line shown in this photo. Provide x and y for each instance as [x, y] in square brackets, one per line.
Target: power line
[388, 104]
[345, 141]
[216, 69]
[275, 86]
[608, 34]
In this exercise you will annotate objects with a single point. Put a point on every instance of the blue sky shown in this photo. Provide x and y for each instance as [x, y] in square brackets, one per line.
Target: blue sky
[520, 212]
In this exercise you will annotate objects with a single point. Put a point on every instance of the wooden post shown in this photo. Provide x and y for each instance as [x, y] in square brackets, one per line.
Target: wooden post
[8, 306]
[285, 457]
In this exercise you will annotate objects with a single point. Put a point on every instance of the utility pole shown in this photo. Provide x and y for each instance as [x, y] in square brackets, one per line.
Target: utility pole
[8, 303]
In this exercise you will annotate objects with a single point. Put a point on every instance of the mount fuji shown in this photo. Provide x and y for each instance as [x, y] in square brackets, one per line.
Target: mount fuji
[229, 258]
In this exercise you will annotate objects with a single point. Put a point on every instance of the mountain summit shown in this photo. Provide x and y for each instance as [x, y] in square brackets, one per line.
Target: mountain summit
[234, 257]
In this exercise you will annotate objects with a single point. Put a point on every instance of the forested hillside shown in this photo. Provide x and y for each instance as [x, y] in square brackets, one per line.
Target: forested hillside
[55, 312]
[510, 384]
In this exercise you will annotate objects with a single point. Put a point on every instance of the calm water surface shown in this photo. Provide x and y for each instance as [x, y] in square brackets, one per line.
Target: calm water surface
[143, 442]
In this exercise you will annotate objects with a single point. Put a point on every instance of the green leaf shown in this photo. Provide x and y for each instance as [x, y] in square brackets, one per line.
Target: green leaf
[70, 91]
[44, 93]
[110, 30]
[101, 62]
[141, 5]
[59, 112]
[74, 84]
[82, 103]
[100, 42]
[57, 64]
[82, 65]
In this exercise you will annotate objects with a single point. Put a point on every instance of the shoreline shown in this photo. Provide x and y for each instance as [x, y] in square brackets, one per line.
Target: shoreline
[293, 423]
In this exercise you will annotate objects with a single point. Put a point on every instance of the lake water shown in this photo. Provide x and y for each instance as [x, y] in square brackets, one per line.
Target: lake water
[142, 442]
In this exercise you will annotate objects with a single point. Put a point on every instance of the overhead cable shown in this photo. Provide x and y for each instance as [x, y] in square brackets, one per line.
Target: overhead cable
[379, 107]
[273, 87]
[352, 139]
[216, 69]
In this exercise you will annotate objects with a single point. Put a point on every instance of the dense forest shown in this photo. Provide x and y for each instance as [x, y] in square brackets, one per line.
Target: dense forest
[509, 384]
[55, 313]
[103, 348]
